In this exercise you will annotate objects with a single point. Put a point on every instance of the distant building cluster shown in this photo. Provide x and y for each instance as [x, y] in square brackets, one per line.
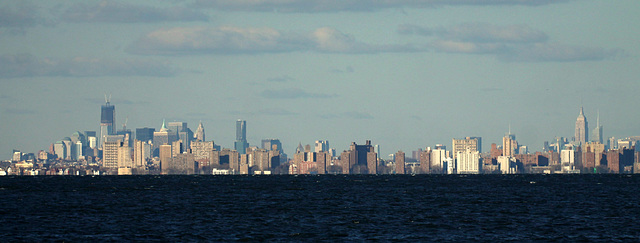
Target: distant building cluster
[176, 149]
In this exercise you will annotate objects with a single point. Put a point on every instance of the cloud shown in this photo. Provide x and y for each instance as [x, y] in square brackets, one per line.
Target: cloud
[14, 111]
[348, 69]
[265, 112]
[551, 52]
[348, 115]
[235, 40]
[15, 19]
[281, 79]
[27, 65]
[117, 12]
[479, 33]
[276, 112]
[293, 93]
[511, 43]
[319, 6]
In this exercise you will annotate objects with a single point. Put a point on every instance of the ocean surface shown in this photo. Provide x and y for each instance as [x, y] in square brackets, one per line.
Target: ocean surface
[321, 208]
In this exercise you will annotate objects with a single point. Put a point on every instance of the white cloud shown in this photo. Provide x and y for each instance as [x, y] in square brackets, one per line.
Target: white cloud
[14, 19]
[26, 65]
[514, 43]
[315, 6]
[552, 52]
[292, 93]
[348, 115]
[235, 40]
[117, 12]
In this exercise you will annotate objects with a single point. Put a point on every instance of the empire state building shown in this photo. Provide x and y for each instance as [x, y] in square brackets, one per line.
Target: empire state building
[582, 128]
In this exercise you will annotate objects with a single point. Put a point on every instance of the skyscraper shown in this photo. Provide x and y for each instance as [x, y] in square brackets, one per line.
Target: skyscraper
[597, 132]
[509, 144]
[162, 137]
[145, 134]
[241, 144]
[182, 132]
[107, 121]
[199, 136]
[582, 128]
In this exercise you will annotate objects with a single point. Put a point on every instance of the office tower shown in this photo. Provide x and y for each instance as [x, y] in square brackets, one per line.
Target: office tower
[182, 132]
[321, 145]
[107, 121]
[145, 134]
[241, 144]
[141, 153]
[69, 145]
[509, 144]
[79, 150]
[468, 143]
[272, 144]
[60, 150]
[582, 128]
[164, 153]
[91, 139]
[164, 136]
[400, 165]
[597, 131]
[468, 162]
[125, 164]
[110, 150]
[199, 136]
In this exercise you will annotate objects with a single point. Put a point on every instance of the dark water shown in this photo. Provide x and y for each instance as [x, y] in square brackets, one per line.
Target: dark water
[321, 208]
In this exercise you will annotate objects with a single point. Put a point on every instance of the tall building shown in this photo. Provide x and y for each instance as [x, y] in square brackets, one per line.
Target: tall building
[597, 131]
[110, 149]
[582, 128]
[107, 121]
[145, 134]
[509, 144]
[142, 152]
[162, 137]
[241, 143]
[359, 157]
[400, 165]
[199, 136]
[468, 143]
[182, 132]
[321, 145]
[468, 162]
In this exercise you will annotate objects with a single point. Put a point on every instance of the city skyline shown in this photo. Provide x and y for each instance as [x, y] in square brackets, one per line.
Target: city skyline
[405, 75]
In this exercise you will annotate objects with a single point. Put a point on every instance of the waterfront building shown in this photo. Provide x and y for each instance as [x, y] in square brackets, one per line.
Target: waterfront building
[400, 163]
[507, 164]
[468, 143]
[468, 162]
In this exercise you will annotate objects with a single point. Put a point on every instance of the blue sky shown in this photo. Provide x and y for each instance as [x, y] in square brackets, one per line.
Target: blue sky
[404, 74]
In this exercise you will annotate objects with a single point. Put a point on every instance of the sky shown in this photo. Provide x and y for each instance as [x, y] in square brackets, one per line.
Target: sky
[405, 74]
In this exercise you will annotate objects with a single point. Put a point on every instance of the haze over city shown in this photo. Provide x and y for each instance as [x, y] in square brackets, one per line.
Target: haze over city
[404, 74]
